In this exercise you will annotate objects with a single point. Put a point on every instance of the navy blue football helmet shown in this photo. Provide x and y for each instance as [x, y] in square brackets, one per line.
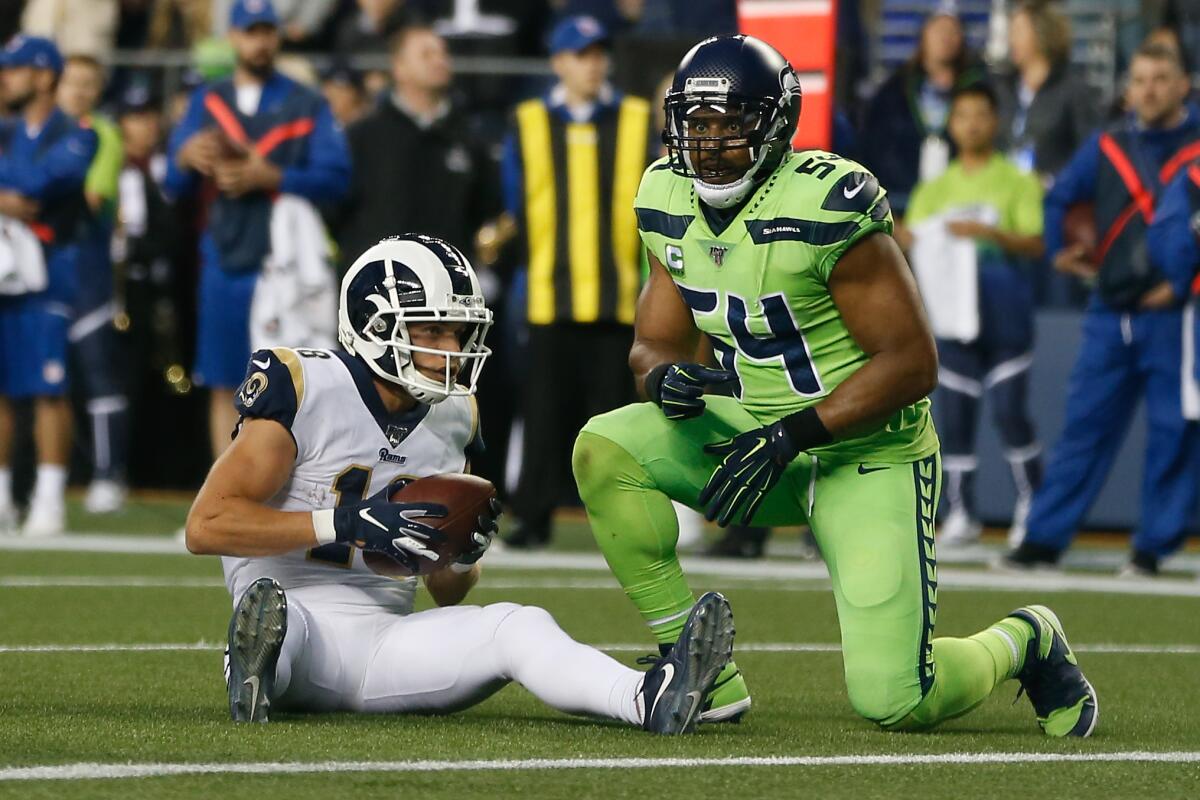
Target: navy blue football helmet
[748, 80]
[408, 279]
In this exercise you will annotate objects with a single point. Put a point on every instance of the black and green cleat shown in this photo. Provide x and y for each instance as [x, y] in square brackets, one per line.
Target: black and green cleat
[256, 633]
[729, 699]
[1063, 699]
[674, 689]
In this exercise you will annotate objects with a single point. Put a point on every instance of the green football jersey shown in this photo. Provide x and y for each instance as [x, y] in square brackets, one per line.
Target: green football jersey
[760, 289]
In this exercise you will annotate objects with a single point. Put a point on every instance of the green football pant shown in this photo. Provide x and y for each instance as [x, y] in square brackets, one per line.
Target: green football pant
[873, 523]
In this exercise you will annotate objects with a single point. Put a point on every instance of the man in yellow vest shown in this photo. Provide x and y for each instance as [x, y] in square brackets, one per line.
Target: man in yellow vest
[571, 168]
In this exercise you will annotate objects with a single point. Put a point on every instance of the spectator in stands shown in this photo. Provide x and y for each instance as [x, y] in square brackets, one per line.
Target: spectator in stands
[147, 248]
[903, 132]
[413, 141]
[1132, 331]
[95, 361]
[1046, 112]
[988, 198]
[1172, 38]
[86, 27]
[342, 86]
[299, 20]
[370, 30]
[44, 158]
[249, 137]
[575, 216]
[180, 24]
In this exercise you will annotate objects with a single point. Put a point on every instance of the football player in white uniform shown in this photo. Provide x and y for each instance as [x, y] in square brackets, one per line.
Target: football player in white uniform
[325, 435]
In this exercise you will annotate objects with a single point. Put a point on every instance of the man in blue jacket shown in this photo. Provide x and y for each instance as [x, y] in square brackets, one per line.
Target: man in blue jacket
[1132, 334]
[245, 140]
[44, 158]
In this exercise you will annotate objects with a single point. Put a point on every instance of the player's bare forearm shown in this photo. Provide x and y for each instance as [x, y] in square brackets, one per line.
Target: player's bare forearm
[229, 516]
[448, 587]
[664, 331]
[873, 289]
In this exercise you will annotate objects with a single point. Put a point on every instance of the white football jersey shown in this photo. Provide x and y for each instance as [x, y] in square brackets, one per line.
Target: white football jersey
[347, 448]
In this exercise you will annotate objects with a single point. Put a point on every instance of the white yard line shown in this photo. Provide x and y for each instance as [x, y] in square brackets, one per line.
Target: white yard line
[717, 568]
[624, 647]
[93, 771]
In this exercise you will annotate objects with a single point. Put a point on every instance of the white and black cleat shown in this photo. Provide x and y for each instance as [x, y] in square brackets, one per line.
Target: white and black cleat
[256, 633]
[674, 689]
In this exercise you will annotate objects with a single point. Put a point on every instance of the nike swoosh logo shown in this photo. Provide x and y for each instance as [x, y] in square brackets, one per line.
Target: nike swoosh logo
[261, 364]
[252, 681]
[850, 195]
[695, 698]
[668, 676]
[365, 513]
[863, 469]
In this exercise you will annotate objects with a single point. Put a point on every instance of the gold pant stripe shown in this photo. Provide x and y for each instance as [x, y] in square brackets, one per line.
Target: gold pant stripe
[583, 176]
[632, 128]
[533, 121]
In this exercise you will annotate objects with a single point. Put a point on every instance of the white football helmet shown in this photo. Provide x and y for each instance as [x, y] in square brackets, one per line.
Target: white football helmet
[407, 279]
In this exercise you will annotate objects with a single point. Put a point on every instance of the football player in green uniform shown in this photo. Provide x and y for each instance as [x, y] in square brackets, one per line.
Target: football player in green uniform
[785, 261]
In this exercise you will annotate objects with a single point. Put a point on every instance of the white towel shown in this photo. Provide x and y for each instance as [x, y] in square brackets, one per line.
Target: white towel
[1190, 389]
[295, 298]
[22, 260]
[947, 270]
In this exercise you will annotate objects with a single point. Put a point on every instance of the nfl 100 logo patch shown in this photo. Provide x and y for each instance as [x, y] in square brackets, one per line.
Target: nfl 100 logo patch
[717, 254]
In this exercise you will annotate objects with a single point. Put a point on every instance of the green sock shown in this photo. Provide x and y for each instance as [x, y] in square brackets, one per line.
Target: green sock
[636, 529]
[966, 671]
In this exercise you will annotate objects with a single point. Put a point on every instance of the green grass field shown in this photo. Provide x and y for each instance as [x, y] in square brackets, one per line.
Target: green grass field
[66, 704]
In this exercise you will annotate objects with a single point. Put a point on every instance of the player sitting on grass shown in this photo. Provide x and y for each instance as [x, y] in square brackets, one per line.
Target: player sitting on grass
[302, 494]
[786, 262]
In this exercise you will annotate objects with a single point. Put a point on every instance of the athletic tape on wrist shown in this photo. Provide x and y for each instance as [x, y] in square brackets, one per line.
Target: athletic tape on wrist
[323, 529]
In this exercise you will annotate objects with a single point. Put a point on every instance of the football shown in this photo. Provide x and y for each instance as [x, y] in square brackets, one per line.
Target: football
[465, 496]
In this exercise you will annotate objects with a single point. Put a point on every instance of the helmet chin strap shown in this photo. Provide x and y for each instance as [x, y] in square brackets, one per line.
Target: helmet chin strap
[730, 194]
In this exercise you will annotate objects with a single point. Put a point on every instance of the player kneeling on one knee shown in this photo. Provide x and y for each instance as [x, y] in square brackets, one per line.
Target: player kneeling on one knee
[323, 525]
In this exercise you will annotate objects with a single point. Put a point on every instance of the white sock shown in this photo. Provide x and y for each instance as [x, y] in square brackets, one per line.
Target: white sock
[293, 648]
[563, 673]
[6, 500]
[50, 485]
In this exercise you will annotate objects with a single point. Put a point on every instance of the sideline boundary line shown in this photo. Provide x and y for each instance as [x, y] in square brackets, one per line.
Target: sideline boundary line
[94, 771]
[621, 647]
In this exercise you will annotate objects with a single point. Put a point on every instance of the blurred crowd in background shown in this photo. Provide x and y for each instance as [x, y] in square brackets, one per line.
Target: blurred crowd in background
[416, 118]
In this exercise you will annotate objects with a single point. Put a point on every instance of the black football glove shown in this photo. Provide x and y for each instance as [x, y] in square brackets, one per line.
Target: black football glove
[754, 462]
[678, 389]
[393, 529]
[483, 534]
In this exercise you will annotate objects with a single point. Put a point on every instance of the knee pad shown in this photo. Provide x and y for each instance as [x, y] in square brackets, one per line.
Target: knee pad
[520, 630]
[595, 462]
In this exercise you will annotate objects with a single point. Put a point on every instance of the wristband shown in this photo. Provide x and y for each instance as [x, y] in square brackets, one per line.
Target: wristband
[323, 527]
[653, 383]
[806, 430]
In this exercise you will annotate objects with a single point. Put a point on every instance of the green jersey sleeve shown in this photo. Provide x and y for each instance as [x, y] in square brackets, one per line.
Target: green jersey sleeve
[920, 202]
[106, 165]
[1027, 202]
[853, 205]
